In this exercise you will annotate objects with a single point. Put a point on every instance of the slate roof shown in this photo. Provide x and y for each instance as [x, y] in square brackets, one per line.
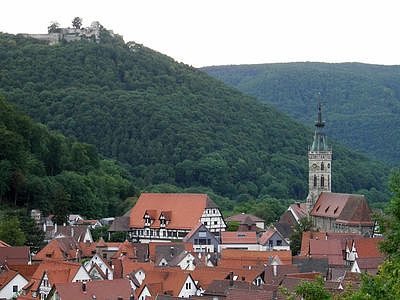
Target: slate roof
[77, 232]
[281, 271]
[349, 209]
[14, 255]
[158, 249]
[312, 264]
[185, 209]
[98, 289]
[238, 237]
[120, 224]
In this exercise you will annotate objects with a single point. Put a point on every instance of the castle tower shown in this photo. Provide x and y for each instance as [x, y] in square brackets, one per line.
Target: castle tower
[319, 163]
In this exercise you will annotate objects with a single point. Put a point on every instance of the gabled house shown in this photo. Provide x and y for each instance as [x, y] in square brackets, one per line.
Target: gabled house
[273, 240]
[247, 222]
[290, 218]
[172, 216]
[99, 290]
[11, 283]
[202, 239]
[51, 272]
[99, 269]
[345, 213]
[167, 282]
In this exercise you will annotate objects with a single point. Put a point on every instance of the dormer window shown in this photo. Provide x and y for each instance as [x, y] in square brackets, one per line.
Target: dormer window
[326, 209]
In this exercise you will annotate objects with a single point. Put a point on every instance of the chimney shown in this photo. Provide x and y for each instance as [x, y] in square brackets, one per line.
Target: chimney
[230, 278]
[55, 227]
[84, 287]
[72, 231]
[171, 250]
[44, 226]
[298, 204]
[275, 270]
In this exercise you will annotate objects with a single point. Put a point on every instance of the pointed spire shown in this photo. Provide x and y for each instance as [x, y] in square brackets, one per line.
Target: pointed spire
[320, 140]
[319, 122]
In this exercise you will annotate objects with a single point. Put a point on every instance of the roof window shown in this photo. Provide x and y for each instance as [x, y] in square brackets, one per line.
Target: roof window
[336, 209]
[326, 209]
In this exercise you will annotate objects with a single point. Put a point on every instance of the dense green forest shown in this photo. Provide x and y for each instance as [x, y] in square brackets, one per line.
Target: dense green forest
[171, 124]
[43, 169]
[362, 102]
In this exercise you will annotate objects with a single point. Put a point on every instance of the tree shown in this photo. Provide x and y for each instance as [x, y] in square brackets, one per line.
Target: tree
[305, 224]
[313, 290]
[77, 23]
[5, 178]
[10, 231]
[61, 200]
[53, 27]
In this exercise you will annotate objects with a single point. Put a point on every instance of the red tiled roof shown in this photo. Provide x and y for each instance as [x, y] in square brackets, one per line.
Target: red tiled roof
[186, 209]
[6, 276]
[262, 256]
[14, 255]
[58, 272]
[243, 217]
[25, 270]
[329, 248]
[345, 208]
[66, 248]
[239, 237]
[101, 289]
[368, 247]
[299, 210]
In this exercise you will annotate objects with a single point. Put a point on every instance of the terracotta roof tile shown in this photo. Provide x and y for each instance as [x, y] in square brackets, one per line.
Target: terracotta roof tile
[244, 218]
[332, 249]
[6, 276]
[186, 209]
[101, 289]
[66, 248]
[285, 256]
[345, 208]
[239, 237]
[25, 270]
[368, 247]
[14, 255]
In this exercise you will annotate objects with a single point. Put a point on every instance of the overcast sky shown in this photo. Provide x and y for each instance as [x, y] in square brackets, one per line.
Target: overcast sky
[216, 32]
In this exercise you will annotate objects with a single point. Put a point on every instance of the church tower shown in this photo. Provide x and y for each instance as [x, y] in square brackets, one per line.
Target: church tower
[319, 163]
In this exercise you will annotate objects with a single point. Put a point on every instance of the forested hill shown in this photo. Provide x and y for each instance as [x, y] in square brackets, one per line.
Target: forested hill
[171, 123]
[362, 102]
[42, 169]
